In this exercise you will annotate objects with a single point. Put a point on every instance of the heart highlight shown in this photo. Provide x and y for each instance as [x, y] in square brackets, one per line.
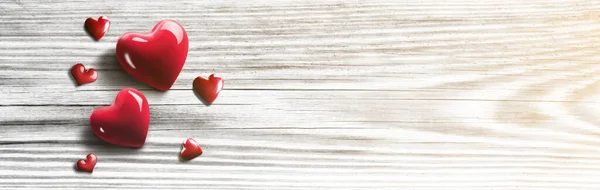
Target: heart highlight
[97, 28]
[125, 122]
[83, 76]
[190, 149]
[155, 58]
[208, 89]
[87, 165]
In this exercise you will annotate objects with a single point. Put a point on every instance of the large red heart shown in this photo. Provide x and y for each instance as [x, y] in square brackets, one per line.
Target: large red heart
[97, 28]
[83, 76]
[155, 58]
[125, 122]
[87, 165]
[208, 89]
[190, 149]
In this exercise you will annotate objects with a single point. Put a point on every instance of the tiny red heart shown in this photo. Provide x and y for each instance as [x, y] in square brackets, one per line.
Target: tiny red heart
[97, 28]
[190, 149]
[87, 165]
[125, 122]
[155, 58]
[208, 89]
[83, 76]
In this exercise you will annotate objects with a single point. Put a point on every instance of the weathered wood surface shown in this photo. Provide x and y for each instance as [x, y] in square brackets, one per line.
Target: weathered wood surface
[423, 94]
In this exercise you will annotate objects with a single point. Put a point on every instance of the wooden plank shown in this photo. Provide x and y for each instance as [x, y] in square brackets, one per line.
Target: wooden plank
[429, 94]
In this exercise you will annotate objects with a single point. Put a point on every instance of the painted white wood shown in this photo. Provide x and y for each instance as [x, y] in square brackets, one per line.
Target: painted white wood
[427, 94]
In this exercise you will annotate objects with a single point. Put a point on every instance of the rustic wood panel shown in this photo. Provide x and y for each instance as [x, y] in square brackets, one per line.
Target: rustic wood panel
[423, 94]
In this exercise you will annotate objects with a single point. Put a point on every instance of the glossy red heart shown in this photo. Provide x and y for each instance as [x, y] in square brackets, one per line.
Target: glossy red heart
[83, 76]
[125, 122]
[190, 149]
[87, 165]
[208, 89]
[155, 58]
[97, 28]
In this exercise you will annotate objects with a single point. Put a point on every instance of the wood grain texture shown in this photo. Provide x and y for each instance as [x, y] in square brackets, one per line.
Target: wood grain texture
[423, 94]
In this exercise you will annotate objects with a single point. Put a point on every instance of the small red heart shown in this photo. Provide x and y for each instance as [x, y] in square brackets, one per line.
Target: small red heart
[87, 165]
[97, 28]
[83, 76]
[125, 122]
[208, 89]
[190, 149]
[155, 58]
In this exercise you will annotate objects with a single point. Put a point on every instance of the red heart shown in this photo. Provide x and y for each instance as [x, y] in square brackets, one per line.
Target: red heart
[97, 28]
[125, 122]
[208, 89]
[87, 165]
[83, 76]
[155, 58]
[190, 149]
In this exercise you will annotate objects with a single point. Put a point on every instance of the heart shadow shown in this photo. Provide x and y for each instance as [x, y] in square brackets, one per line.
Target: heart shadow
[179, 156]
[95, 145]
[72, 78]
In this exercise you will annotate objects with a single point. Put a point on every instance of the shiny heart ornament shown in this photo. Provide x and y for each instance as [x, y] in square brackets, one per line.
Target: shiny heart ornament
[208, 89]
[87, 165]
[190, 149]
[125, 122]
[83, 76]
[97, 28]
[155, 58]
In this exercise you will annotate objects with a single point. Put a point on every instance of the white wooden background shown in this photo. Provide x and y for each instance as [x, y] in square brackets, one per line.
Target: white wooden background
[420, 94]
